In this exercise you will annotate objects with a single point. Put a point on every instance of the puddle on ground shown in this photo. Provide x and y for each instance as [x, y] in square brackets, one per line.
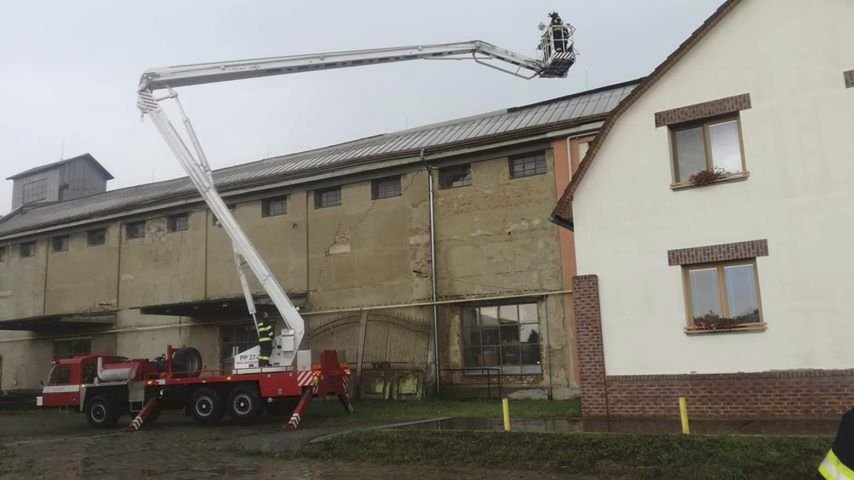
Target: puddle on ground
[637, 426]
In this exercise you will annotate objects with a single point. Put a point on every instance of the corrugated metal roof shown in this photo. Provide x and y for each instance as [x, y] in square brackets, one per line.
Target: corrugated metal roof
[592, 103]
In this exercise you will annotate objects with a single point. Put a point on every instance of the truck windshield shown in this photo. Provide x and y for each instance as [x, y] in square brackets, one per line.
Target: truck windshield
[60, 375]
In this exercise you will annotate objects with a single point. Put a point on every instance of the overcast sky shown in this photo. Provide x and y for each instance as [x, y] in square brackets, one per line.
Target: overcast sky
[68, 71]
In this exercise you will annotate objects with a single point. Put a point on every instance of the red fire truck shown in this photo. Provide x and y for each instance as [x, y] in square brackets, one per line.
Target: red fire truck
[105, 387]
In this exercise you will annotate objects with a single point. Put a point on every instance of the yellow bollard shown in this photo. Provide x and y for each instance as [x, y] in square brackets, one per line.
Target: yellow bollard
[683, 412]
[505, 405]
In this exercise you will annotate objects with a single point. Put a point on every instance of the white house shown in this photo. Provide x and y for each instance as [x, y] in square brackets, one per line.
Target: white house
[714, 224]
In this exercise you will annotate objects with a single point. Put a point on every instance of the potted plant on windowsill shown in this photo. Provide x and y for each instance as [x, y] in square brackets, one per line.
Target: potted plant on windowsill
[714, 321]
[708, 176]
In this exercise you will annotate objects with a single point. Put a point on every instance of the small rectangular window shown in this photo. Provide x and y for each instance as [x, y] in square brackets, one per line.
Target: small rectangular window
[270, 207]
[385, 187]
[27, 249]
[96, 237]
[528, 165]
[707, 151]
[178, 223]
[71, 348]
[231, 208]
[135, 230]
[2, 254]
[453, 177]
[722, 296]
[328, 197]
[34, 191]
[60, 244]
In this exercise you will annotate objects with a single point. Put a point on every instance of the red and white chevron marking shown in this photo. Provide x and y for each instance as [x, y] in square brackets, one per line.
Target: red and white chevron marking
[304, 378]
[146, 102]
[294, 423]
[347, 384]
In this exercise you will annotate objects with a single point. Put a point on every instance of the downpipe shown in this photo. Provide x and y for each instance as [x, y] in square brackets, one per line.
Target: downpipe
[429, 170]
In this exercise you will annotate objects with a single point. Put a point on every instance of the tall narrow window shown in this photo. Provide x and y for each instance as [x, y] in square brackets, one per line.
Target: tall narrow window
[60, 243]
[385, 187]
[34, 191]
[2, 254]
[328, 197]
[135, 230]
[453, 177]
[528, 165]
[178, 223]
[712, 146]
[723, 295]
[270, 207]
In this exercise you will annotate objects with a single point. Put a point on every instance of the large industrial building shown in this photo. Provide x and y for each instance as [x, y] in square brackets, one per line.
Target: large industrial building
[347, 229]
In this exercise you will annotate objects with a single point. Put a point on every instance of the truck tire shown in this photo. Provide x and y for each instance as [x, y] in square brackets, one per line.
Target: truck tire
[101, 412]
[186, 362]
[244, 404]
[206, 406]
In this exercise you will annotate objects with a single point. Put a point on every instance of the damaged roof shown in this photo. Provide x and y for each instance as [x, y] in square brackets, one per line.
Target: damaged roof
[562, 112]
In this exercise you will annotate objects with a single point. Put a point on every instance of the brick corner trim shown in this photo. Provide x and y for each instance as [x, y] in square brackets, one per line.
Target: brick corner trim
[591, 354]
[718, 253]
[708, 109]
[849, 78]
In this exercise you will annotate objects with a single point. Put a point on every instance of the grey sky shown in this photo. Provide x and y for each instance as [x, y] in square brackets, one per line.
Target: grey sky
[69, 71]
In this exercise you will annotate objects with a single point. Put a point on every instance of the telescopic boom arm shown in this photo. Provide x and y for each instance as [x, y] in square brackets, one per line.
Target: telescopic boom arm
[558, 56]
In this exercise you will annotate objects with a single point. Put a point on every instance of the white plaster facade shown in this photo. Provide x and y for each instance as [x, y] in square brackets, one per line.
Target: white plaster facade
[798, 142]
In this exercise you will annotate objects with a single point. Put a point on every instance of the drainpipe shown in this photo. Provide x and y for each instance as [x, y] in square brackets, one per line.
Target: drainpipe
[548, 350]
[433, 271]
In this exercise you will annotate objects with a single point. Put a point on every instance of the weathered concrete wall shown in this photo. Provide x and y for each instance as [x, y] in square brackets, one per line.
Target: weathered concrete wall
[84, 278]
[24, 363]
[163, 267]
[22, 282]
[367, 252]
[280, 239]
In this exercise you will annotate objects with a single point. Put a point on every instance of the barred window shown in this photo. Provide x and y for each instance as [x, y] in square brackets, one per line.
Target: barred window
[270, 207]
[453, 177]
[385, 187]
[506, 337]
[60, 244]
[178, 223]
[135, 230]
[329, 197]
[96, 237]
[528, 165]
[27, 249]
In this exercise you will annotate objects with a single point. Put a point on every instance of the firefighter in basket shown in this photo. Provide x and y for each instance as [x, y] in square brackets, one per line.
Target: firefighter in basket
[265, 339]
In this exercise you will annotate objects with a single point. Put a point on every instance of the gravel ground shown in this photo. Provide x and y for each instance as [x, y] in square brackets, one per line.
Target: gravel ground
[60, 445]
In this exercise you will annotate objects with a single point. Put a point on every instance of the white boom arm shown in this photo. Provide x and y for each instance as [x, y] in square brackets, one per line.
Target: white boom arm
[558, 57]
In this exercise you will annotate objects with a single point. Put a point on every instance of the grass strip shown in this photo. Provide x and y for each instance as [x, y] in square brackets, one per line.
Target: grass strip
[609, 455]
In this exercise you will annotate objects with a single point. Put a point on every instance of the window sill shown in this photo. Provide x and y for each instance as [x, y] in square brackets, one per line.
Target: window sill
[748, 327]
[735, 177]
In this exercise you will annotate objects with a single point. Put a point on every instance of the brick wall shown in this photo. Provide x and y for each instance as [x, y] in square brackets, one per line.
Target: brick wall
[785, 393]
[591, 357]
[703, 110]
[723, 252]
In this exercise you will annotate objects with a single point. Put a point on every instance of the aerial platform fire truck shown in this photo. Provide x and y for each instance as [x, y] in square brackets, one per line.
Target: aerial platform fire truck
[105, 387]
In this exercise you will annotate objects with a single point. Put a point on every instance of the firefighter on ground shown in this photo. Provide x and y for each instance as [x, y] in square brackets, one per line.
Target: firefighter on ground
[265, 339]
[839, 462]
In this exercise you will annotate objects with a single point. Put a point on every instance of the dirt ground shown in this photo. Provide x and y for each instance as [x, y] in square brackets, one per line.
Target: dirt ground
[61, 445]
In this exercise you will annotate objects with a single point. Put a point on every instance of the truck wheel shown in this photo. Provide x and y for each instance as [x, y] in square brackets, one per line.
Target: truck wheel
[244, 404]
[206, 406]
[101, 413]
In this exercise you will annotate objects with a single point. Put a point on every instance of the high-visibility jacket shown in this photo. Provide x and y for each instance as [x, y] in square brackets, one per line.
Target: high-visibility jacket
[838, 464]
[265, 331]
